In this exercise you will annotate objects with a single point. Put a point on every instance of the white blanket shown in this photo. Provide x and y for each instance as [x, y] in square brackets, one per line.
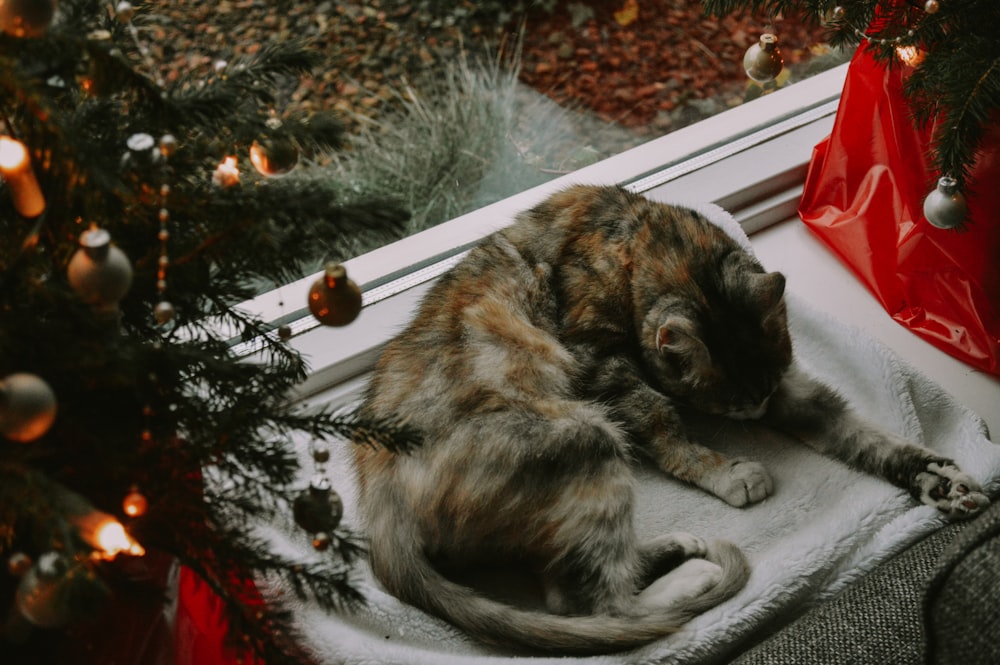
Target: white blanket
[824, 527]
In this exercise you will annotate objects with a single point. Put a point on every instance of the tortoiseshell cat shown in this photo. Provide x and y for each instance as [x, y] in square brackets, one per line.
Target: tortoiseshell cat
[539, 366]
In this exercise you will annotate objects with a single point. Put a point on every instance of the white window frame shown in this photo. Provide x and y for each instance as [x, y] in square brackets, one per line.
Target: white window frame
[751, 160]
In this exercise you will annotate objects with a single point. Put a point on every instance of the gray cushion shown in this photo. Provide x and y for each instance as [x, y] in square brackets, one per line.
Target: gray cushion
[962, 603]
[878, 620]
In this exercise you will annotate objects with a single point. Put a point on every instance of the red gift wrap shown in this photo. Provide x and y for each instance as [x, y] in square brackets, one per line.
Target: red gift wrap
[863, 198]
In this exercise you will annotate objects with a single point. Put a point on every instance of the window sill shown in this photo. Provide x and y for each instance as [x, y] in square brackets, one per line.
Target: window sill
[751, 160]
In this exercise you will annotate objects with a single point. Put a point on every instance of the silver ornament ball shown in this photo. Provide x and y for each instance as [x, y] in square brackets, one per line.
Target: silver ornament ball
[945, 207]
[99, 272]
[763, 61]
[39, 597]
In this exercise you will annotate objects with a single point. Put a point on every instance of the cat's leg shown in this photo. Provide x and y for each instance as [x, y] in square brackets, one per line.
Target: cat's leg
[818, 415]
[654, 425]
[550, 484]
[664, 553]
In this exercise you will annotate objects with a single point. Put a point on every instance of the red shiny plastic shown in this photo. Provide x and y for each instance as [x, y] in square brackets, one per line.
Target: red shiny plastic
[864, 196]
[200, 625]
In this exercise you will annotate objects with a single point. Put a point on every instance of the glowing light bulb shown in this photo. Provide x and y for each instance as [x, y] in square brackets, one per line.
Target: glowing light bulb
[111, 537]
[226, 174]
[15, 167]
[910, 55]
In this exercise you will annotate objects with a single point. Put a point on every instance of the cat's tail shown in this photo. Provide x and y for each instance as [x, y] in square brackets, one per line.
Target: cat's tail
[408, 574]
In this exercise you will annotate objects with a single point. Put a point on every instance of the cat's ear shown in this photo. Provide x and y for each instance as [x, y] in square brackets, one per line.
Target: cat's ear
[677, 337]
[767, 289]
[743, 277]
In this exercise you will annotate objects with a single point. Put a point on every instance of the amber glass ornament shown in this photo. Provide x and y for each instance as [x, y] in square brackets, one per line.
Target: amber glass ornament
[334, 299]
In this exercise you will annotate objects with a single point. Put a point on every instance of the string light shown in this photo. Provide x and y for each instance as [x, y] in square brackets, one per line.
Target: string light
[226, 173]
[909, 55]
[106, 535]
[15, 167]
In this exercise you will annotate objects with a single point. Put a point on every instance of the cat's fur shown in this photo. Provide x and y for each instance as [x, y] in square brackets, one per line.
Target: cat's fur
[540, 366]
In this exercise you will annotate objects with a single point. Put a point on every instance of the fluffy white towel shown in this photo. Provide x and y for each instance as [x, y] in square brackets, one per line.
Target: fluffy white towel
[824, 527]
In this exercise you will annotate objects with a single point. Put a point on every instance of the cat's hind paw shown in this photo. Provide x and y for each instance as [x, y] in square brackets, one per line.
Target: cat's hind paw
[741, 482]
[951, 491]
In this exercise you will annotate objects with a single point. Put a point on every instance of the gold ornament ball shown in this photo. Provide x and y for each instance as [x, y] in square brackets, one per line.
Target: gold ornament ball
[26, 18]
[273, 156]
[763, 61]
[932, 6]
[19, 564]
[135, 503]
[99, 272]
[334, 299]
[168, 145]
[27, 407]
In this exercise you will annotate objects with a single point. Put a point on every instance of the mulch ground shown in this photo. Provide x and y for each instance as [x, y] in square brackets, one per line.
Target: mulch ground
[648, 65]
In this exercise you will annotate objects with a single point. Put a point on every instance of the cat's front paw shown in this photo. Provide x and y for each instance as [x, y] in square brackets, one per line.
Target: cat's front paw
[741, 482]
[951, 491]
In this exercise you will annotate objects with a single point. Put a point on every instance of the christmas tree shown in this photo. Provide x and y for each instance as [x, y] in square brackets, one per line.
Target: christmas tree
[950, 45]
[136, 216]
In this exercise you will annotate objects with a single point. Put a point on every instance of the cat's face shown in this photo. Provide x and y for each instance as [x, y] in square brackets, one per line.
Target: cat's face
[725, 351]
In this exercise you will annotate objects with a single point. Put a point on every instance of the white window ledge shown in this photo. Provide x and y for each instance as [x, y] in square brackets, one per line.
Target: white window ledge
[751, 160]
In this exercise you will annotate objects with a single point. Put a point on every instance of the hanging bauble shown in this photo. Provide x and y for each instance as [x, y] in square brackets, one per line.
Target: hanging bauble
[55, 592]
[334, 299]
[19, 564]
[932, 6]
[318, 509]
[168, 145]
[164, 312]
[284, 332]
[321, 542]
[135, 503]
[274, 156]
[26, 18]
[40, 596]
[99, 272]
[321, 454]
[945, 206]
[124, 11]
[763, 61]
[27, 407]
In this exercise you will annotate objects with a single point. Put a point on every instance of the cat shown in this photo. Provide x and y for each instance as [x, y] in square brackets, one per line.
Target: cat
[539, 367]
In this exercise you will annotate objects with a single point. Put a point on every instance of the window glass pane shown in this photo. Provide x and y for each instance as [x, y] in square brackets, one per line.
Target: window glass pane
[449, 106]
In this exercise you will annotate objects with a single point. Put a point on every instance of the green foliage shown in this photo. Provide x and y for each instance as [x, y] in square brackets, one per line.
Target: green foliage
[168, 407]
